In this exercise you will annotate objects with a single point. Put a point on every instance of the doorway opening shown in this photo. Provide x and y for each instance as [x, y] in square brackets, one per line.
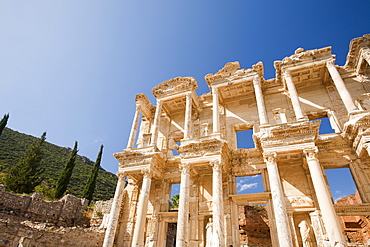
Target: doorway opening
[171, 235]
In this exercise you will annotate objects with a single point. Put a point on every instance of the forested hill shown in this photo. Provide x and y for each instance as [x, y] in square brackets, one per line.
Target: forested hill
[14, 144]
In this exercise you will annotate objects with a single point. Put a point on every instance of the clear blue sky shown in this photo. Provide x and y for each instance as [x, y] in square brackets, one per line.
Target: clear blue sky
[73, 68]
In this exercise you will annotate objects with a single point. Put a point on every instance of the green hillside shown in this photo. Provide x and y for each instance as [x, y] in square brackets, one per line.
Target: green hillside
[14, 144]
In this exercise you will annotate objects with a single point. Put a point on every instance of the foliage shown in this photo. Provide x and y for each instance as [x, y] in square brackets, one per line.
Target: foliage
[3, 122]
[26, 174]
[175, 200]
[91, 183]
[13, 144]
[66, 174]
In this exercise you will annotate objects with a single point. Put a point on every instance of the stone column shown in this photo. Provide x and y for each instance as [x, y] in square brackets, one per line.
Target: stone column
[138, 236]
[134, 127]
[183, 214]
[114, 212]
[293, 96]
[259, 99]
[216, 111]
[217, 205]
[324, 200]
[158, 112]
[187, 123]
[281, 216]
[341, 87]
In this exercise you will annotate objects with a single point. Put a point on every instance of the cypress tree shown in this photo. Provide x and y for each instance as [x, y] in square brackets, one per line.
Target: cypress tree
[3, 122]
[26, 174]
[90, 185]
[66, 174]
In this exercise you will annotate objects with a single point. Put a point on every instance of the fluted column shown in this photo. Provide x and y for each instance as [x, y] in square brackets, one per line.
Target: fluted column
[114, 212]
[217, 205]
[138, 236]
[183, 214]
[281, 216]
[216, 111]
[341, 87]
[134, 127]
[158, 112]
[259, 99]
[323, 195]
[293, 96]
[187, 124]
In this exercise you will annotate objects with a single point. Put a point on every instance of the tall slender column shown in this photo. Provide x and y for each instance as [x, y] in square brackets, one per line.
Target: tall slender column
[183, 214]
[341, 87]
[158, 112]
[217, 205]
[134, 127]
[293, 96]
[187, 124]
[138, 236]
[216, 111]
[259, 99]
[114, 212]
[329, 216]
[281, 216]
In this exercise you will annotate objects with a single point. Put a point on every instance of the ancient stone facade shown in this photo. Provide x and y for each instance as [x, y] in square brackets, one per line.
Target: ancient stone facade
[192, 140]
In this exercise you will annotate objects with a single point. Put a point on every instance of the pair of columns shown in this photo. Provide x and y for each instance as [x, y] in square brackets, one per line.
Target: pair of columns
[338, 82]
[331, 222]
[259, 99]
[217, 206]
[156, 122]
[142, 206]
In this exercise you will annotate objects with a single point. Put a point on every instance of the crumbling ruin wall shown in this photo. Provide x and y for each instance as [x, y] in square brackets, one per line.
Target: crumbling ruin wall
[68, 211]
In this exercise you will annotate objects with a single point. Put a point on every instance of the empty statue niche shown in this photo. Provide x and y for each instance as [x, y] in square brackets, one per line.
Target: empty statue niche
[344, 192]
[174, 201]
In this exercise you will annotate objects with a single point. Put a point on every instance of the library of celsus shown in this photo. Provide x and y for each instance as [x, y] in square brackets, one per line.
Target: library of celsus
[192, 140]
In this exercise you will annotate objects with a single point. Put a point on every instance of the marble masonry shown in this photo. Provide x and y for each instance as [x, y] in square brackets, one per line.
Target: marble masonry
[191, 140]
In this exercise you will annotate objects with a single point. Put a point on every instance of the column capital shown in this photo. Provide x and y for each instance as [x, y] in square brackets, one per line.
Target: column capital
[147, 173]
[216, 165]
[256, 80]
[185, 168]
[121, 175]
[286, 73]
[215, 90]
[330, 62]
[138, 108]
[311, 153]
[270, 157]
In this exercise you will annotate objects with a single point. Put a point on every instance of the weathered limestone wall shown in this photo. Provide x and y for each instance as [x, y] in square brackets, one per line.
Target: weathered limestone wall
[68, 211]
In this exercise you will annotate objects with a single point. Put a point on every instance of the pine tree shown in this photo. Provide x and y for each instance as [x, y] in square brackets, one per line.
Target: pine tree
[26, 174]
[90, 185]
[64, 178]
[3, 122]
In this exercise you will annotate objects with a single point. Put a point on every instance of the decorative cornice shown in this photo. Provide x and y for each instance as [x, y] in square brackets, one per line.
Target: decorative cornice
[355, 49]
[175, 86]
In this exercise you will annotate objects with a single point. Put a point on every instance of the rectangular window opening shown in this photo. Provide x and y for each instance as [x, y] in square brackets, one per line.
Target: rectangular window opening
[325, 125]
[244, 139]
[249, 184]
[174, 197]
[342, 185]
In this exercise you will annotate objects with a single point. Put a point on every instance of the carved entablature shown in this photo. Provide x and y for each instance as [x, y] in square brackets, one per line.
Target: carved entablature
[334, 151]
[355, 49]
[205, 147]
[246, 157]
[289, 134]
[300, 201]
[357, 131]
[352, 209]
[145, 106]
[175, 86]
[128, 158]
[232, 72]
